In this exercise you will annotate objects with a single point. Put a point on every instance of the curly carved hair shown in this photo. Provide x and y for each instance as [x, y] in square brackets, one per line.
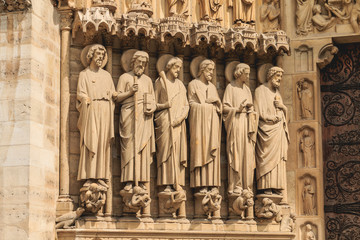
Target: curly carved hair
[172, 62]
[240, 69]
[272, 71]
[92, 50]
[136, 56]
[203, 65]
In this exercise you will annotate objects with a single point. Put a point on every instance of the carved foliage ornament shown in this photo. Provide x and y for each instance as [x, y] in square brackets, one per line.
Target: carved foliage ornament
[14, 5]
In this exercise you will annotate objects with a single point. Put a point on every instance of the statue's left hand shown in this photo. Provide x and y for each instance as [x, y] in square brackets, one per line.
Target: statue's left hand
[114, 95]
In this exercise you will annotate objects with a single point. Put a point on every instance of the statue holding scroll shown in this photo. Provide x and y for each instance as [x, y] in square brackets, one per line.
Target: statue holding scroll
[137, 141]
[273, 137]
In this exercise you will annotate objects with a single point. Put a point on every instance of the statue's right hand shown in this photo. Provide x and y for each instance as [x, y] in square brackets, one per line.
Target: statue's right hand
[168, 104]
[134, 88]
[88, 100]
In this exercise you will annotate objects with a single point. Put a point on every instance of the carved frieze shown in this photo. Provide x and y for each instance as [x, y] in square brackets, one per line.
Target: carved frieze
[207, 32]
[245, 37]
[14, 5]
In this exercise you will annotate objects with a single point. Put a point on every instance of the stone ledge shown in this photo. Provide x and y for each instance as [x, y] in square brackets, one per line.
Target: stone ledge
[115, 234]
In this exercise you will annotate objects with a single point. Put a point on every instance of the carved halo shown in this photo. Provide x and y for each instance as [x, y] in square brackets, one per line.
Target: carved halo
[262, 72]
[194, 66]
[229, 70]
[162, 61]
[84, 53]
[126, 59]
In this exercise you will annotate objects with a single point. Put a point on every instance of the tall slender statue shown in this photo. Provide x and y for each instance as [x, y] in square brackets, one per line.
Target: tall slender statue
[306, 99]
[205, 126]
[171, 111]
[96, 121]
[210, 9]
[273, 137]
[243, 11]
[269, 15]
[308, 196]
[178, 7]
[240, 122]
[304, 13]
[137, 141]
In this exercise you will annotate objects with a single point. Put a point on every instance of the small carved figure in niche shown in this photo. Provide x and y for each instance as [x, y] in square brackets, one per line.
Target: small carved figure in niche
[304, 14]
[93, 196]
[309, 235]
[210, 10]
[240, 122]
[242, 202]
[243, 11]
[308, 196]
[205, 129]
[178, 7]
[269, 15]
[355, 16]
[321, 22]
[268, 210]
[96, 121]
[307, 146]
[171, 111]
[273, 137]
[138, 199]
[343, 11]
[211, 202]
[288, 223]
[176, 200]
[68, 219]
[306, 99]
[137, 141]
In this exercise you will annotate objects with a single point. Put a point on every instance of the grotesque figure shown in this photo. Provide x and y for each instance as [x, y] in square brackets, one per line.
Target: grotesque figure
[243, 202]
[268, 210]
[68, 219]
[211, 202]
[139, 199]
[93, 196]
[177, 198]
[273, 138]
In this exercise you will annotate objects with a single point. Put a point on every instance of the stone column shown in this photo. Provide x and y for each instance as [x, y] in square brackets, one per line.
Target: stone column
[109, 193]
[65, 203]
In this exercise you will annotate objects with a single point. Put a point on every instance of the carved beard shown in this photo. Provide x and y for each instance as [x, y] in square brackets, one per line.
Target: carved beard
[139, 70]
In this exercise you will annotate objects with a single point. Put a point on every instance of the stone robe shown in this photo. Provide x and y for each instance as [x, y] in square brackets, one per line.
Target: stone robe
[308, 200]
[304, 13]
[210, 8]
[138, 132]
[96, 123]
[243, 12]
[306, 104]
[272, 142]
[171, 141]
[205, 130]
[241, 131]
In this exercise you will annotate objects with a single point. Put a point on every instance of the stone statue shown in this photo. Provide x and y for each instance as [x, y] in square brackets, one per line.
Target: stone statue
[178, 7]
[243, 11]
[343, 11]
[308, 196]
[96, 121]
[309, 235]
[211, 202]
[355, 16]
[93, 196]
[68, 219]
[287, 223]
[137, 141]
[175, 201]
[240, 122]
[304, 14]
[268, 210]
[306, 100]
[273, 137]
[269, 15]
[172, 109]
[243, 202]
[321, 22]
[137, 199]
[205, 129]
[210, 10]
[307, 146]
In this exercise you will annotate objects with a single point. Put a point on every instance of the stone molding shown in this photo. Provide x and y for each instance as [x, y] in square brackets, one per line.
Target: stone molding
[7, 6]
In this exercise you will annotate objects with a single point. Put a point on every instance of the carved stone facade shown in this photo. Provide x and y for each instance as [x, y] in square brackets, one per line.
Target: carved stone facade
[179, 119]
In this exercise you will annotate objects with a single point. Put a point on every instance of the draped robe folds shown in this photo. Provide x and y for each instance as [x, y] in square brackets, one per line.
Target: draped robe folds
[308, 200]
[171, 141]
[272, 142]
[243, 12]
[145, 140]
[304, 13]
[306, 103]
[210, 8]
[96, 123]
[205, 130]
[241, 131]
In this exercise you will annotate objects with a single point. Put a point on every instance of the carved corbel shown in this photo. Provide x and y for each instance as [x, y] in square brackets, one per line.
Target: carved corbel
[326, 55]
[243, 37]
[110, 4]
[176, 27]
[278, 40]
[138, 23]
[14, 5]
[207, 32]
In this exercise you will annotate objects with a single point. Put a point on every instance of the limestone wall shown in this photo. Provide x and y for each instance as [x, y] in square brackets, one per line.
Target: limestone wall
[29, 121]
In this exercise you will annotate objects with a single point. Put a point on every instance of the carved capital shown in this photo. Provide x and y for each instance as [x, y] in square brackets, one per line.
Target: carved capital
[66, 19]
[14, 5]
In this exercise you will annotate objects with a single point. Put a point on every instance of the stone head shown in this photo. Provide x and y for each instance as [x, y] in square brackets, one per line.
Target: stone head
[242, 72]
[138, 62]
[174, 66]
[274, 76]
[306, 133]
[308, 227]
[206, 68]
[316, 9]
[96, 54]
